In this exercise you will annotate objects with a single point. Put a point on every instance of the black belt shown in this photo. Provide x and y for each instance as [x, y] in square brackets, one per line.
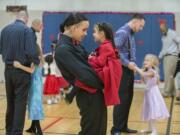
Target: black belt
[126, 69]
[171, 55]
[9, 66]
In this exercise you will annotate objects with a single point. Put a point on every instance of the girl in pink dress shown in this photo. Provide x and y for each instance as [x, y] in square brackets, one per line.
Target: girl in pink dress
[154, 107]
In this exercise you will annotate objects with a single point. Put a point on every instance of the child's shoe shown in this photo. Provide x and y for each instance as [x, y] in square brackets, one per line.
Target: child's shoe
[58, 97]
[177, 101]
[177, 98]
[154, 133]
[49, 101]
[54, 101]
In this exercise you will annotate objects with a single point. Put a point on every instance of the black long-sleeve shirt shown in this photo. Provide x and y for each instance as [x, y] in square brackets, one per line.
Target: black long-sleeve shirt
[72, 61]
[17, 42]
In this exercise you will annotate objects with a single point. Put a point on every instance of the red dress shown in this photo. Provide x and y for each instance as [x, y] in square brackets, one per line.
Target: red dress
[62, 82]
[51, 85]
[109, 68]
[54, 81]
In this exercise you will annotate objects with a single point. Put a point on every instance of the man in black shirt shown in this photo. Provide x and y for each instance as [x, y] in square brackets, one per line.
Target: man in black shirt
[71, 59]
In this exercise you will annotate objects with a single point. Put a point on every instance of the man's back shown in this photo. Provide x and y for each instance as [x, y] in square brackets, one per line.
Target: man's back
[17, 42]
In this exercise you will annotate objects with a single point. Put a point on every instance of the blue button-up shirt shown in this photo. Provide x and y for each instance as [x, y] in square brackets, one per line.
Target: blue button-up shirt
[17, 42]
[125, 43]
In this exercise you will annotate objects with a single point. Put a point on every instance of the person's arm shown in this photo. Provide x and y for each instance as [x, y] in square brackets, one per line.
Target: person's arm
[120, 40]
[163, 50]
[30, 46]
[177, 41]
[42, 61]
[161, 54]
[142, 73]
[17, 64]
[0, 44]
[104, 52]
[176, 38]
[66, 57]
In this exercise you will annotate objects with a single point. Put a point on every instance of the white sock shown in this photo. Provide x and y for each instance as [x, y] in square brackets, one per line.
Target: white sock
[152, 126]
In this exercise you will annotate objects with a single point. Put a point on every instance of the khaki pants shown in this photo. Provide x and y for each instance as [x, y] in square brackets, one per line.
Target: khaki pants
[169, 63]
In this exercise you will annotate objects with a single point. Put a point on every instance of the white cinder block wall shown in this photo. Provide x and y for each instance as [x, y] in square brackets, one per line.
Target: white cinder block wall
[36, 7]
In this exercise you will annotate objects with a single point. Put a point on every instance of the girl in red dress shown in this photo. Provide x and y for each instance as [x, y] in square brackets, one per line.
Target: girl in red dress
[105, 61]
[53, 81]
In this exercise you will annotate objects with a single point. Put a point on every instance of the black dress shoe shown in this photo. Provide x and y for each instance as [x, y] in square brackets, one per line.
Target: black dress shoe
[177, 98]
[31, 130]
[127, 130]
[69, 98]
[38, 132]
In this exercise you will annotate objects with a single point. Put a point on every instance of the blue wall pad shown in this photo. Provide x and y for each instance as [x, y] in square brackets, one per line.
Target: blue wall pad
[147, 41]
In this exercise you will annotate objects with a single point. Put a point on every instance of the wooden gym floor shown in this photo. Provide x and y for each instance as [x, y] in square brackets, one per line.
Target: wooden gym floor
[63, 119]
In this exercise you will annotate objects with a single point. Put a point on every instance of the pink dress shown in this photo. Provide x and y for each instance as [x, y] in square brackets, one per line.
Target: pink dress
[154, 107]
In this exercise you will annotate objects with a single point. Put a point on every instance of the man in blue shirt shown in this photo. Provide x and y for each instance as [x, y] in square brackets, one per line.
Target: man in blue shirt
[125, 43]
[17, 42]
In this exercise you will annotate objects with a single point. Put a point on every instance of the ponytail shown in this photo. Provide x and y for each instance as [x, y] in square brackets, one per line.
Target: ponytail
[109, 35]
[73, 18]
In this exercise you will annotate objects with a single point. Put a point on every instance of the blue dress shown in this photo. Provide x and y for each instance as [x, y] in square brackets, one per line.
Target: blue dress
[35, 104]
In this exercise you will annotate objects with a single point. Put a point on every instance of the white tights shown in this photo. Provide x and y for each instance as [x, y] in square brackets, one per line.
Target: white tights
[152, 127]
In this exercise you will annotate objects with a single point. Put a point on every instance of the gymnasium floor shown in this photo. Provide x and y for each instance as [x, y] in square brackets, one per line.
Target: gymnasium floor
[63, 119]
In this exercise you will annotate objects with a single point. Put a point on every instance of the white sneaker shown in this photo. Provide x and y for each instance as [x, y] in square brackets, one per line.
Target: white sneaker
[54, 101]
[58, 97]
[154, 133]
[49, 101]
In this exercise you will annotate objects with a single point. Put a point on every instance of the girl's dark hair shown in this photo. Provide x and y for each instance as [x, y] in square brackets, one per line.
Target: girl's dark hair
[108, 31]
[73, 18]
[109, 35]
[49, 59]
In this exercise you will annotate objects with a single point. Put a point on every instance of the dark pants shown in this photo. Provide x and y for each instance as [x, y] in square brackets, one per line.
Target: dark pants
[17, 86]
[93, 113]
[121, 111]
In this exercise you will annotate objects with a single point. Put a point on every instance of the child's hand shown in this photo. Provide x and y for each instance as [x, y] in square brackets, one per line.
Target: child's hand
[93, 54]
[17, 64]
[136, 68]
[131, 66]
[90, 56]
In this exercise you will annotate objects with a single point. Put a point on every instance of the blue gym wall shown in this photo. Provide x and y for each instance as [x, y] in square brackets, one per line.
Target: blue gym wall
[147, 41]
